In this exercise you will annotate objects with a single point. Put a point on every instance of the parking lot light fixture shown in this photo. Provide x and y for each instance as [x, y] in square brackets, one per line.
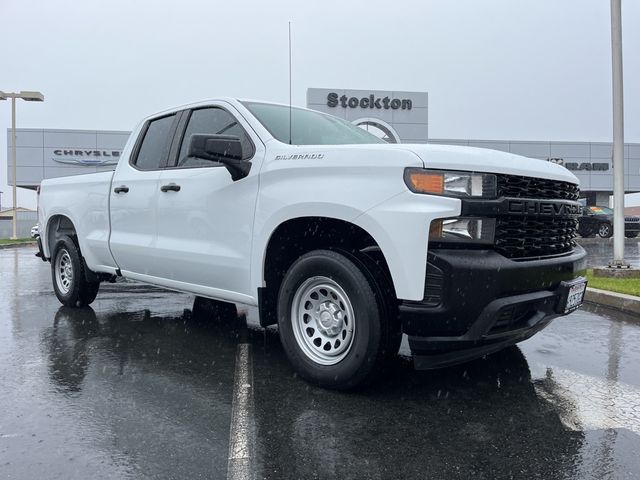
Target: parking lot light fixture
[27, 96]
[31, 96]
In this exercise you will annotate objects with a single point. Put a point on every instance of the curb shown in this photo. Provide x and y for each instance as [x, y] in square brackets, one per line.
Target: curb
[619, 301]
[21, 244]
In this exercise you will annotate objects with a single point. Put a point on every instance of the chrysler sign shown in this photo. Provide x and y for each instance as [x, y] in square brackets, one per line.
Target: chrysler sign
[370, 101]
[86, 157]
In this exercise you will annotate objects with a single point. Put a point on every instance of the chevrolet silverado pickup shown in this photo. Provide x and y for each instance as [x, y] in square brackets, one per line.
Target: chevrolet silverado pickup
[342, 240]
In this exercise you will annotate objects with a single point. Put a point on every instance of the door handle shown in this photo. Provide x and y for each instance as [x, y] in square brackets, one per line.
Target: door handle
[172, 187]
[121, 189]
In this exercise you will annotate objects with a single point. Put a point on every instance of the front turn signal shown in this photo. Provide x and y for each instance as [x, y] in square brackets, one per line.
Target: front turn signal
[451, 183]
[421, 181]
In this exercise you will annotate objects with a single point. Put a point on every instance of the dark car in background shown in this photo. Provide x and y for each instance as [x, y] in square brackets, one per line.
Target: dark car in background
[599, 221]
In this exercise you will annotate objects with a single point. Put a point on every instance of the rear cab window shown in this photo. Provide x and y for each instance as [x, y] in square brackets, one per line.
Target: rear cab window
[156, 140]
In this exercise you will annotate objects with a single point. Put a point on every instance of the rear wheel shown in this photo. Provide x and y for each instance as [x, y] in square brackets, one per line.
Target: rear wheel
[68, 274]
[631, 234]
[333, 327]
[605, 230]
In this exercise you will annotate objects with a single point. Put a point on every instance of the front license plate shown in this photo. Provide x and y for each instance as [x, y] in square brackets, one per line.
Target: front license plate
[575, 294]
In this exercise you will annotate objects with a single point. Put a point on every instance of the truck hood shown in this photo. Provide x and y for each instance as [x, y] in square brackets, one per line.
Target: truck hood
[485, 160]
[446, 157]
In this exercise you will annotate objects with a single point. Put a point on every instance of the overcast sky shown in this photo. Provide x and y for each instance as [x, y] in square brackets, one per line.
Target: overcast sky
[494, 69]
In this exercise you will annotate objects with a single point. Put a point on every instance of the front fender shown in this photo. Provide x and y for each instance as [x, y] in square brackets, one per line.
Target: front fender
[400, 226]
[265, 227]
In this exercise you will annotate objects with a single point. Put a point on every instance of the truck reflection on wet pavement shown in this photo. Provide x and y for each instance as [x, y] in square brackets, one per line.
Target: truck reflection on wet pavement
[136, 387]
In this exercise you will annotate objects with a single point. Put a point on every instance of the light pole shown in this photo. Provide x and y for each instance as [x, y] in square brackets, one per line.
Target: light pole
[618, 135]
[27, 97]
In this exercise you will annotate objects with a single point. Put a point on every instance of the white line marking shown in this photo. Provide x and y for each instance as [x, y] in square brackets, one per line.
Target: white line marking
[586, 402]
[242, 428]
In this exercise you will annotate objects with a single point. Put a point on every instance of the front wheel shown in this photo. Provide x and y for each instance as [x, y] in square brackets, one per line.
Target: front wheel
[631, 234]
[605, 230]
[68, 274]
[332, 325]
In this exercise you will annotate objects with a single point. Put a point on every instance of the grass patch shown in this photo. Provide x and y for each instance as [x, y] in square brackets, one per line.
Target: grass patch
[630, 286]
[6, 241]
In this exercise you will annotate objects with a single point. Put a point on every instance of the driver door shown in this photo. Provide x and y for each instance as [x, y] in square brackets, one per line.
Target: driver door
[205, 219]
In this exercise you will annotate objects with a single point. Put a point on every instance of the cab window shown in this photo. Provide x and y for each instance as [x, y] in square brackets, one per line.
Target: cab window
[155, 145]
[212, 121]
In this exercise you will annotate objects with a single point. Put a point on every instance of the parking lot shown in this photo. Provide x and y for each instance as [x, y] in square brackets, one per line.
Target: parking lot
[135, 387]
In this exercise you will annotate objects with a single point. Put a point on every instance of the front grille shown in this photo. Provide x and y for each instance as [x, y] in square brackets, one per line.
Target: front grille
[515, 186]
[521, 236]
[527, 236]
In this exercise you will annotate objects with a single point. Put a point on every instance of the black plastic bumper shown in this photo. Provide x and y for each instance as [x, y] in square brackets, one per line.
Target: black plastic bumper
[485, 302]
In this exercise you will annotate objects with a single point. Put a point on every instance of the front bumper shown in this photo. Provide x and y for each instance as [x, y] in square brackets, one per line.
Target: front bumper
[478, 301]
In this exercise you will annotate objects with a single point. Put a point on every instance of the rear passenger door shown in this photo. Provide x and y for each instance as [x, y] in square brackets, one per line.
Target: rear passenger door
[205, 219]
[134, 196]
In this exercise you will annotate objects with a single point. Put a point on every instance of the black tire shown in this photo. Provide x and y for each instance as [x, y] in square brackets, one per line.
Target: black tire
[605, 230]
[370, 338]
[631, 234]
[206, 310]
[385, 295]
[80, 292]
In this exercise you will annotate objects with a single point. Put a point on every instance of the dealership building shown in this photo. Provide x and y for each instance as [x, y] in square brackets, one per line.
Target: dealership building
[395, 116]
[46, 153]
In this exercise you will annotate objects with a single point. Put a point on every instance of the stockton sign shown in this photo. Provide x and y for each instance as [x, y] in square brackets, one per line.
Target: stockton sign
[86, 157]
[371, 101]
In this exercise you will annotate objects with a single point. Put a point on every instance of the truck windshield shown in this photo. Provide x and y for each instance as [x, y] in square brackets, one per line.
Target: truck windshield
[308, 127]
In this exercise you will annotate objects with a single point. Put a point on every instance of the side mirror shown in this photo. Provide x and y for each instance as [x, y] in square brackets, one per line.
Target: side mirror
[225, 149]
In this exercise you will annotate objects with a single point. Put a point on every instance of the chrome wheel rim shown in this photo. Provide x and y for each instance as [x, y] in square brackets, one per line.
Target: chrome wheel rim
[323, 320]
[64, 271]
[604, 230]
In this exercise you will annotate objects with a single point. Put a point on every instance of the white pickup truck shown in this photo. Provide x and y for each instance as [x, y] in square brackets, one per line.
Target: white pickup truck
[342, 240]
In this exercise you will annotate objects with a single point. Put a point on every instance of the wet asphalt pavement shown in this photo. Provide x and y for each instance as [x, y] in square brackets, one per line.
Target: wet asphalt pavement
[134, 387]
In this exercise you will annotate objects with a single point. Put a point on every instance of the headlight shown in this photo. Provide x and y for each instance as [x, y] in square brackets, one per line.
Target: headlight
[463, 229]
[452, 184]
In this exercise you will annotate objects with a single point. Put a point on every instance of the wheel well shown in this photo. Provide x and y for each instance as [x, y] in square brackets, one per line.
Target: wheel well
[298, 236]
[59, 225]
